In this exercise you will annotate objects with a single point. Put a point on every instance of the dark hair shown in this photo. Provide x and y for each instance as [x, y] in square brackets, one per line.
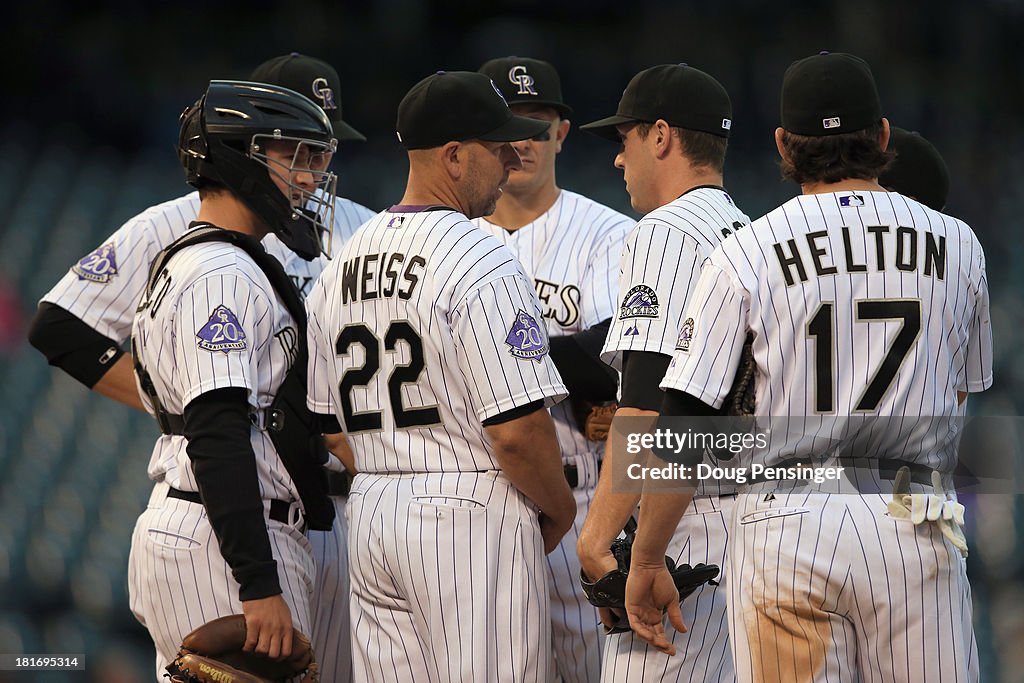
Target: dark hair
[702, 149]
[833, 158]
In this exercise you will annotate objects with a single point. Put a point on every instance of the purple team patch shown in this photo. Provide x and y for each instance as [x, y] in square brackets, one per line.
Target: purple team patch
[222, 332]
[98, 266]
[685, 336]
[526, 339]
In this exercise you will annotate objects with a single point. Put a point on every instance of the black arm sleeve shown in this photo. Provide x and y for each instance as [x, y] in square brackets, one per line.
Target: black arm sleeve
[326, 424]
[578, 359]
[642, 372]
[681, 404]
[218, 429]
[71, 345]
[510, 415]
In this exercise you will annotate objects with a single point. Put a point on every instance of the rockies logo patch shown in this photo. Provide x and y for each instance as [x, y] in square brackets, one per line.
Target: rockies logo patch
[99, 266]
[526, 339]
[640, 302]
[222, 332]
[685, 336]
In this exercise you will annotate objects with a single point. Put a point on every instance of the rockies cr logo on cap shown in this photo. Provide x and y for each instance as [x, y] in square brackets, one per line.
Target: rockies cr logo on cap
[323, 92]
[518, 75]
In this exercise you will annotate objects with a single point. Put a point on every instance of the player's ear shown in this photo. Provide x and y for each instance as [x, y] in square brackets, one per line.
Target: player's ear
[453, 158]
[561, 133]
[883, 138]
[662, 133]
[779, 133]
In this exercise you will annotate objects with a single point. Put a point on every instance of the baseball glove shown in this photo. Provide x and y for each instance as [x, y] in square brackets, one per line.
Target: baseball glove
[594, 419]
[213, 654]
[739, 401]
[610, 589]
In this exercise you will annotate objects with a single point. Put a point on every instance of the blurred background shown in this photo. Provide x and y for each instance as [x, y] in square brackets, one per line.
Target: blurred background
[91, 97]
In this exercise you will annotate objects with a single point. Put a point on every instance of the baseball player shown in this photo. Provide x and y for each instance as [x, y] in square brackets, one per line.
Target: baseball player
[918, 171]
[426, 343]
[213, 337]
[570, 246]
[86, 318]
[673, 122]
[861, 302]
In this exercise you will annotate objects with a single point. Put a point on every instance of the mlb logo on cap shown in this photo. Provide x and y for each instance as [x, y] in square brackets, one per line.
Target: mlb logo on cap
[832, 122]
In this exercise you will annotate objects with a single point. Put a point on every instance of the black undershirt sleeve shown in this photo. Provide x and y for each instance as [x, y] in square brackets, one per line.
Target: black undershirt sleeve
[517, 412]
[326, 424]
[71, 345]
[642, 372]
[578, 359]
[681, 404]
[218, 431]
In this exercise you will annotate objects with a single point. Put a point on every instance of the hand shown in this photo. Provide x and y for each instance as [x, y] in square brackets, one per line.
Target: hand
[595, 565]
[650, 592]
[268, 627]
[553, 529]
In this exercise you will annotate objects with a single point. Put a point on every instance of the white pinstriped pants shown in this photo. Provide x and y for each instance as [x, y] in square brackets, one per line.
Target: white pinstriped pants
[448, 580]
[702, 653]
[332, 637]
[828, 587]
[178, 580]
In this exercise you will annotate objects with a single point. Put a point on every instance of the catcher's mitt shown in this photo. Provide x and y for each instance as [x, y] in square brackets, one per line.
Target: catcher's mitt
[213, 654]
[610, 589]
[594, 419]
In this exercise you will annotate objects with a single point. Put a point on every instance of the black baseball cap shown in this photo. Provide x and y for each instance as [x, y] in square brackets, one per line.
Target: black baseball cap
[523, 80]
[683, 96]
[918, 171]
[459, 105]
[829, 93]
[314, 78]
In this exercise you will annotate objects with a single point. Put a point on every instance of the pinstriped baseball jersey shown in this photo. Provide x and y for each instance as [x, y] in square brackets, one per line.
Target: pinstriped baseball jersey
[660, 265]
[572, 253]
[214, 321]
[860, 302]
[423, 327]
[103, 288]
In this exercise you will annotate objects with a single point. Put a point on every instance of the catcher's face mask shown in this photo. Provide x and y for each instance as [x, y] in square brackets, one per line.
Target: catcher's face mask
[299, 169]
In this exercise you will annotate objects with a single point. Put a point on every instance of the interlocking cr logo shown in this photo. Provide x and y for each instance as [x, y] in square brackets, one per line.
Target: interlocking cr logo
[518, 75]
[323, 92]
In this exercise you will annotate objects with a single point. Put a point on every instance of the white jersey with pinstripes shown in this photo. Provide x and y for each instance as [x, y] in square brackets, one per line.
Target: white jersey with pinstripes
[422, 328]
[214, 321]
[103, 288]
[660, 267]
[860, 302]
[572, 252]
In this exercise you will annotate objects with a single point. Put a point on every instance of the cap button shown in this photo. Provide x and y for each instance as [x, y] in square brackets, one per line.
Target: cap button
[295, 54]
[824, 52]
[683, 64]
[440, 73]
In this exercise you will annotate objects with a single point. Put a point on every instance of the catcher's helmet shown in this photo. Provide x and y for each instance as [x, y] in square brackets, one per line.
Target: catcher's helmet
[224, 138]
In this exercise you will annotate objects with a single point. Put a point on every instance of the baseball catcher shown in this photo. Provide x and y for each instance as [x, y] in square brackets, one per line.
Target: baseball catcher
[213, 653]
[609, 591]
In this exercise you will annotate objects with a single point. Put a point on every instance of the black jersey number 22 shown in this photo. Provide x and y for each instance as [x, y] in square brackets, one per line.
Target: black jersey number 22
[372, 420]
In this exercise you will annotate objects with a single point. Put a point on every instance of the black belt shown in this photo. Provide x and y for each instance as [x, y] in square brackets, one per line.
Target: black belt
[338, 483]
[280, 510]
